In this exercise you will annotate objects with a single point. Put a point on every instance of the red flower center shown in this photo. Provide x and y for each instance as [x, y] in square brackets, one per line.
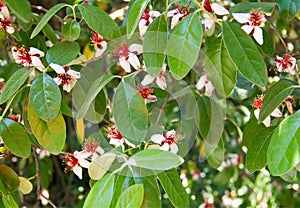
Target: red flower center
[145, 91]
[146, 16]
[258, 102]
[286, 61]
[70, 161]
[207, 6]
[96, 40]
[256, 17]
[23, 55]
[170, 138]
[5, 23]
[122, 51]
[90, 145]
[65, 78]
[113, 133]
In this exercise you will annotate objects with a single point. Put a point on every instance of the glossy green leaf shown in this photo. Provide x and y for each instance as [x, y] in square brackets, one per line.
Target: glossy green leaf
[290, 176]
[164, 160]
[130, 113]
[62, 53]
[71, 30]
[45, 97]
[155, 44]
[21, 9]
[13, 84]
[47, 30]
[268, 46]
[25, 185]
[274, 97]
[172, 185]
[99, 21]
[288, 8]
[224, 176]
[101, 193]
[15, 138]
[220, 69]
[9, 179]
[246, 7]
[131, 197]
[257, 138]
[184, 45]
[101, 165]
[135, 13]
[284, 148]
[9, 201]
[51, 135]
[244, 53]
[93, 91]
[46, 18]
[216, 157]
[152, 195]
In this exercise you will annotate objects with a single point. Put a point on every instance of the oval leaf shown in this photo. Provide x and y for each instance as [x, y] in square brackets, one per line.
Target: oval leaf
[155, 44]
[99, 21]
[21, 9]
[9, 179]
[62, 53]
[152, 195]
[25, 185]
[244, 53]
[101, 165]
[216, 157]
[131, 197]
[71, 30]
[284, 148]
[184, 45]
[101, 193]
[246, 7]
[288, 8]
[14, 83]
[51, 135]
[45, 97]
[15, 138]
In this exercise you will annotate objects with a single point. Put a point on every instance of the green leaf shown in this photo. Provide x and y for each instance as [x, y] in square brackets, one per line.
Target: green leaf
[268, 46]
[9, 201]
[71, 30]
[120, 182]
[9, 179]
[244, 53]
[46, 18]
[25, 185]
[257, 138]
[47, 30]
[45, 97]
[101, 165]
[62, 53]
[274, 97]
[15, 138]
[130, 113]
[290, 176]
[164, 160]
[216, 157]
[101, 193]
[13, 84]
[172, 185]
[155, 44]
[134, 16]
[131, 197]
[184, 45]
[224, 176]
[93, 91]
[246, 7]
[220, 69]
[284, 148]
[21, 9]
[288, 8]
[99, 21]
[152, 196]
[51, 135]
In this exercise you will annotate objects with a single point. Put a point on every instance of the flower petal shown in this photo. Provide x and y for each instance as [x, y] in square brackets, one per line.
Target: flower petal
[148, 79]
[241, 17]
[84, 163]
[124, 64]
[209, 88]
[37, 63]
[201, 83]
[157, 138]
[74, 74]
[174, 148]
[247, 28]
[129, 143]
[175, 20]
[151, 99]
[276, 113]
[34, 51]
[57, 68]
[134, 61]
[116, 142]
[57, 80]
[219, 10]
[136, 48]
[78, 171]
[154, 14]
[142, 27]
[165, 147]
[161, 82]
[256, 113]
[172, 13]
[258, 35]
[267, 121]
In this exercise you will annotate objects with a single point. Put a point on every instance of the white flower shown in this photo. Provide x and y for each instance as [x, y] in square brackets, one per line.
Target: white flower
[160, 79]
[253, 23]
[116, 137]
[205, 82]
[99, 44]
[128, 56]
[76, 162]
[65, 76]
[5, 19]
[167, 140]
[146, 93]
[177, 15]
[28, 58]
[146, 19]
[287, 64]
[213, 9]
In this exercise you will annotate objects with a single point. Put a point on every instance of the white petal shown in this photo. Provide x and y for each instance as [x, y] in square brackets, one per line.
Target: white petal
[100, 150]
[37, 63]
[57, 80]
[174, 148]
[256, 113]
[142, 27]
[100, 51]
[35, 51]
[68, 87]
[4, 11]
[125, 64]
[157, 138]
[161, 82]
[201, 83]
[136, 48]
[134, 61]
[148, 79]
[172, 13]
[84, 163]
[129, 143]
[57, 68]
[276, 113]
[209, 88]
[241, 17]
[175, 20]
[258, 35]
[170, 133]
[10, 30]
[78, 171]
[151, 98]
[247, 28]
[208, 23]
[116, 142]
[73, 73]
[165, 147]
[267, 121]
[15, 54]
[81, 154]
[154, 14]
[219, 10]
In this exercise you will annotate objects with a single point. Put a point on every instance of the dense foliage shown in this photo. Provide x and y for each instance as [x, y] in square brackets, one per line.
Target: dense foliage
[150, 104]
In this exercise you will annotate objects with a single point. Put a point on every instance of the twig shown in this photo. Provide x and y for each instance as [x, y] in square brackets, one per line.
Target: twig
[162, 109]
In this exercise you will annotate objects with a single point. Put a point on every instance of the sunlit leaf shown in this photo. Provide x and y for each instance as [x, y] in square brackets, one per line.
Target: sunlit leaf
[288, 8]
[25, 185]
[216, 157]
[9, 179]
[21, 9]
[131, 197]
[246, 7]
[62, 53]
[71, 30]
[101, 165]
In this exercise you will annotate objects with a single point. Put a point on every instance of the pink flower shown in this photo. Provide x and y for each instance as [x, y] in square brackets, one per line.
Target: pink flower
[28, 58]
[287, 64]
[128, 56]
[258, 104]
[5, 19]
[253, 23]
[76, 162]
[3, 10]
[205, 82]
[146, 93]
[177, 15]
[160, 79]
[65, 76]
[99, 44]
[167, 140]
[146, 19]
[116, 137]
